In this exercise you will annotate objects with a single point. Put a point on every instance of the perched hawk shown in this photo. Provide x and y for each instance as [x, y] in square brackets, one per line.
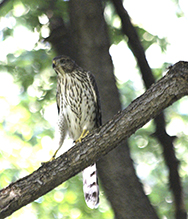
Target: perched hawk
[78, 113]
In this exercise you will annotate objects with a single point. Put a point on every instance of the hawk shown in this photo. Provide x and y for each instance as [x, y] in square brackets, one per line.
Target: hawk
[78, 113]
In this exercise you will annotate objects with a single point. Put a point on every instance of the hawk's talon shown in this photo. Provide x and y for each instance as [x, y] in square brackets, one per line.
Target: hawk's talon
[83, 135]
[51, 159]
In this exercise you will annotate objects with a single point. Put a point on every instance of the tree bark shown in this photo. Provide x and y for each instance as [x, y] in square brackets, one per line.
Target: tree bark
[85, 39]
[91, 43]
[165, 140]
[166, 91]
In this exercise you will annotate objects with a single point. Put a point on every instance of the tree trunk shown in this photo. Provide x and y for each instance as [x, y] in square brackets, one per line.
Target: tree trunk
[165, 140]
[98, 143]
[91, 50]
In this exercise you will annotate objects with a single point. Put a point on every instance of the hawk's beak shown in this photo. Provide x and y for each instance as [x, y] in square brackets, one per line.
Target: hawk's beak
[53, 63]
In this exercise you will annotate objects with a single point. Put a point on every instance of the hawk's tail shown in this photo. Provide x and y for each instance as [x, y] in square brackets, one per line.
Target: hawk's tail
[91, 186]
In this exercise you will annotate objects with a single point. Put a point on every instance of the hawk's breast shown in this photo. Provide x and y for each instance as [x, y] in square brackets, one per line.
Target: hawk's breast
[78, 106]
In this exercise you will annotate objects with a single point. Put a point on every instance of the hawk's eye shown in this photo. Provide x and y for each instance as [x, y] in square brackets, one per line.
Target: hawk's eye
[62, 61]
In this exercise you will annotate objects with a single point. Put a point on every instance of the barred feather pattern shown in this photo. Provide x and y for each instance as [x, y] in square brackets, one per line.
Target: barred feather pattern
[78, 110]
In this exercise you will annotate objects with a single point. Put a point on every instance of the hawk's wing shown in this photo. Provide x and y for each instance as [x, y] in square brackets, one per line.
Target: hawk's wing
[96, 95]
[61, 128]
[58, 93]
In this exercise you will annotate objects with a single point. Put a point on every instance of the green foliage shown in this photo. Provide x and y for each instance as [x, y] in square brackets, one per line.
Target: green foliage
[148, 155]
[147, 39]
[27, 95]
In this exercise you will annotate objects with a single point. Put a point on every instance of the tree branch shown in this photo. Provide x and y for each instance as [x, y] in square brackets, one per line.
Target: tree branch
[134, 43]
[165, 140]
[160, 95]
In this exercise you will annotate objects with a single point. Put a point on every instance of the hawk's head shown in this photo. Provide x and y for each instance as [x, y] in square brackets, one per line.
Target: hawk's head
[63, 64]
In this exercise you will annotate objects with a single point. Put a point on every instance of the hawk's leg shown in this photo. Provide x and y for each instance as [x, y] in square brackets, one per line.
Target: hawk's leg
[53, 157]
[83, 135]
[59, 135]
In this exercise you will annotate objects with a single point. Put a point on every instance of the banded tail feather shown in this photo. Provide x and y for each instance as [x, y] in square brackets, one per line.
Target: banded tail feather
[91, 186]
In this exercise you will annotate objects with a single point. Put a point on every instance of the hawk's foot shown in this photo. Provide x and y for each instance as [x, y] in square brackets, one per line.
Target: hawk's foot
[83, 135]
[52, 158]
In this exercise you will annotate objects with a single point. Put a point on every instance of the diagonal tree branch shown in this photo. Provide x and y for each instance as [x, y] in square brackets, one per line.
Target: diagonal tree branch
[160, 95]
[165, 140]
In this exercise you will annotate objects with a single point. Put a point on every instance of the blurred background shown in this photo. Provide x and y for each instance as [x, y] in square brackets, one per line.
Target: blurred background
[29, 40]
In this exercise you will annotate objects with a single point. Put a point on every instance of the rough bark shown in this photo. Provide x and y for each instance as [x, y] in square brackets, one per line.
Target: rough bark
[91, 46]
[86, 40]
[165, 140]
[166, 91]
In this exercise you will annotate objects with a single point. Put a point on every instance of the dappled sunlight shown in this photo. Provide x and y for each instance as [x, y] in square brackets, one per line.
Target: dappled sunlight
[27, 212]
[26, 40]
[28, 112]
[7, 94]
[176, 126]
